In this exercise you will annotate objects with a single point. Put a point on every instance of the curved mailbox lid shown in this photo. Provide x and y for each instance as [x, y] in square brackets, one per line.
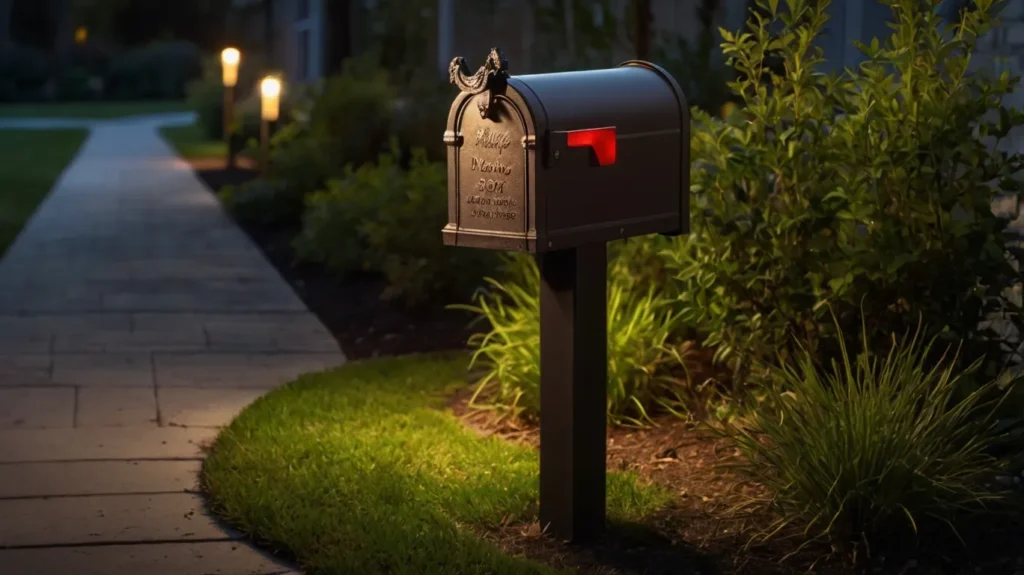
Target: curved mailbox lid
[638, 99]
[634, 97]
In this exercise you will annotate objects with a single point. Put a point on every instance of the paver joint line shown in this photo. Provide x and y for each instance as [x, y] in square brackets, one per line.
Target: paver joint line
[119, 543]
[98, 460]
[131, 276]
[74, 416]
[71, 495]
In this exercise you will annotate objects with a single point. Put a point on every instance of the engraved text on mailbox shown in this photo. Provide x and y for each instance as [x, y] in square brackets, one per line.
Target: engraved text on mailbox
[492, 170]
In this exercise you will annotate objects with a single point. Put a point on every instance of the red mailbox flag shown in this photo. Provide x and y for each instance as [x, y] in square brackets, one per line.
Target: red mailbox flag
[601, 140]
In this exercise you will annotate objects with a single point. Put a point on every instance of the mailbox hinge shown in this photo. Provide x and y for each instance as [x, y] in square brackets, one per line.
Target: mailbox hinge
[453, 138]
[529, 142]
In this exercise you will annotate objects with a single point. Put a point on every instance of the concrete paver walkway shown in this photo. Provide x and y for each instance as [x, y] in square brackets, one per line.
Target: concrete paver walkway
[135, 318]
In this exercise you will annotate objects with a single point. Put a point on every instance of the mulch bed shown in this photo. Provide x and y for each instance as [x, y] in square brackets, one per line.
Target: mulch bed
[713, 526]
[364, 325]
[707, 530]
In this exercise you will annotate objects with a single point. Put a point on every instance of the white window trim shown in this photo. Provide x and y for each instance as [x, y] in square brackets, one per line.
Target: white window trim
[313, 24]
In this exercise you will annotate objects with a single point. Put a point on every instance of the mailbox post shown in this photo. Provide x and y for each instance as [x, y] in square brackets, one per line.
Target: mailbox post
[557, 165]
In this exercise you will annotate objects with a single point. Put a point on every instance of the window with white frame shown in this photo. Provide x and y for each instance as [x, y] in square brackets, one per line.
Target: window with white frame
[306, 19]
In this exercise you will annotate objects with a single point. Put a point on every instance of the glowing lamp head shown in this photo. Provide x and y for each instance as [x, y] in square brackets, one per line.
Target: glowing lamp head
[229, 59]
[230, 56]
[270, 98]
[270, 87]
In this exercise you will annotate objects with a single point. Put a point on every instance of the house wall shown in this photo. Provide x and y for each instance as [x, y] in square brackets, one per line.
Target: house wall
[300, 31]
[470, 28]
[476, 26]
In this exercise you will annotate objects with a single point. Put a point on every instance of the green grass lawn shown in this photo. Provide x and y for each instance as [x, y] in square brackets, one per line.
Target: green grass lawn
[191, 142]
[30, 162]
[359, 470]
[91, 110]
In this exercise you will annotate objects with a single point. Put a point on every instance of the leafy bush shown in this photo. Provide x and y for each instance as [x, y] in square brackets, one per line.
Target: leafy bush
[76, 85]
[351, 116]
[160, 70]
[869, 190]
[24, 72]
[872, 446]
[333, 224]
[421, 115]
[385, 219]
[642, 353]
[343, 122]
[257, 201]
[404, 243]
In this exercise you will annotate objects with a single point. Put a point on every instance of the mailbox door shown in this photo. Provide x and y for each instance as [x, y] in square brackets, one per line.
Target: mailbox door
[491, 163]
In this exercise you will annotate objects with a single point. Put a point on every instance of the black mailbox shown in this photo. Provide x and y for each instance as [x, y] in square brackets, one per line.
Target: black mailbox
[558, 165]
[554, 161]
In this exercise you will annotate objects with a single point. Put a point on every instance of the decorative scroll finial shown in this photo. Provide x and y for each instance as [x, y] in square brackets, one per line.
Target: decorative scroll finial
[492, 77]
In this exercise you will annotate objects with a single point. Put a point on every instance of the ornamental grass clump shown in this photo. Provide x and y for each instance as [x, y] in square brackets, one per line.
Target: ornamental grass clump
[874, 447]
[642, 352]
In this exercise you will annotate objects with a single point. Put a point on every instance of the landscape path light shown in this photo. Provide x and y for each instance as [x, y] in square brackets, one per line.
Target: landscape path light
[270, 109]
[230, 58]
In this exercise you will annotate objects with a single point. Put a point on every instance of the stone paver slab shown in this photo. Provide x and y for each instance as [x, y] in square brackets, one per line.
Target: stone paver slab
[206, 558]
[116, 406]
[106, 519]
[97, 478]
[185, 406]
[86, 323]
[11, 344]
[36, 407]
[79, 444]
[24, 334]
[235, 370]
[25, 369]
[269, 332]
[96, 333]
[103, 369]
[131, 342]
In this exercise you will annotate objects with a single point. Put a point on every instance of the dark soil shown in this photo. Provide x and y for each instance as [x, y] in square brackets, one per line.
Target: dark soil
[713, 525]
[364, 325]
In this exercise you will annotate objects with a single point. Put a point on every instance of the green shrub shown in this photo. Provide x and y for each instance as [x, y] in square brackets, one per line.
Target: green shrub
[385, 219]
[351, 116]
[76, 85]
[872, 446]
[24, 72]
[345, 121]
[642, 354]
[257, 201]
[868, 190]
[404, 239]
[160, 70]
[333, 225]
[421, 116]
